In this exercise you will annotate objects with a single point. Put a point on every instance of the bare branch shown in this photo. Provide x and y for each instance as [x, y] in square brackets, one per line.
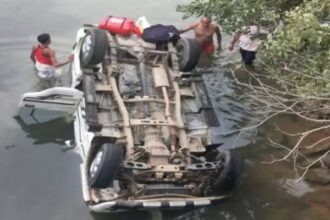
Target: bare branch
[306, 168]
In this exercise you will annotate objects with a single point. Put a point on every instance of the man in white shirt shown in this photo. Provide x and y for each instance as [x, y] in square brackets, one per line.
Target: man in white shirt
[248, 44]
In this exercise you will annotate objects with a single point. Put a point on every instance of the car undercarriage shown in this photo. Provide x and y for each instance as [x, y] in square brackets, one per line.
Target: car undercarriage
[144, 124]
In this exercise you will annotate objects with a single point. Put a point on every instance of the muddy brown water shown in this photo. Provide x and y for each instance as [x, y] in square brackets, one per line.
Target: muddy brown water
[40, 180]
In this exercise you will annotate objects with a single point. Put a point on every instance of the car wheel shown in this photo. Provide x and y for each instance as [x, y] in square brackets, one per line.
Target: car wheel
[188, 51]
[105, 165]
[93, 47]
[230, 171]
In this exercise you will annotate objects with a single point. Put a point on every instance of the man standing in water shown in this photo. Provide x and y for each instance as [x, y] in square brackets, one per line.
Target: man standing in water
[204, 31]
[248, 44]
[44, 58]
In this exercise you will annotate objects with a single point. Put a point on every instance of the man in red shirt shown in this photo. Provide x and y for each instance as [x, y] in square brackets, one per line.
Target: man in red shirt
[44, 58]
[204, 31]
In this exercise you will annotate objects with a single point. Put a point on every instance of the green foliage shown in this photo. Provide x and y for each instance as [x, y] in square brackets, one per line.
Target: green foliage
[303, 45]
[234, 14]
[300, 39]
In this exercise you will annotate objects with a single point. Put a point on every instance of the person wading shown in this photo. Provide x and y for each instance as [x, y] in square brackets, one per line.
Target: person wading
[204, 31]
[45, 60]
[248, 43]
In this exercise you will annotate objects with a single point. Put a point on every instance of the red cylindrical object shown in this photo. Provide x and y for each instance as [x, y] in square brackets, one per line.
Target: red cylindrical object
[119, 25]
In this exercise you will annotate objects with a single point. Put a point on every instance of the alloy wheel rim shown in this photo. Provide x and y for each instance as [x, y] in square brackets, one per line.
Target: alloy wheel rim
[86, 47]
[95, 164]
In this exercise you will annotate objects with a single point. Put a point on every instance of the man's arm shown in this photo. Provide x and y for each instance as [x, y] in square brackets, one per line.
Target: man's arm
[187, 29]
[219, 37]
[32, 54]
[55, 62]
[235, 39]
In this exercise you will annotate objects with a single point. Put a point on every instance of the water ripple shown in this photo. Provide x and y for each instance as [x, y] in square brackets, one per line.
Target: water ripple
[61, 45]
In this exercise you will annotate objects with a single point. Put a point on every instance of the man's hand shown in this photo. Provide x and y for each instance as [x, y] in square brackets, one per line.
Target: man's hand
[32, 54]
[70, 58]
[234, 40]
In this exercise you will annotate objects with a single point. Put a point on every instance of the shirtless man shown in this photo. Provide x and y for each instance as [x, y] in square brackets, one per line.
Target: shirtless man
[204, 31]
[44, 58]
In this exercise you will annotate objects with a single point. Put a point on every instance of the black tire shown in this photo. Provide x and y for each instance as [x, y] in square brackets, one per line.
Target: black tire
[94, 47]
[103, 172]
[188, 51]
[230, 172]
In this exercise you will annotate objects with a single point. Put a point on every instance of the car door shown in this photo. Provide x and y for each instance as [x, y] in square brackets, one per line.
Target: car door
[49, 104]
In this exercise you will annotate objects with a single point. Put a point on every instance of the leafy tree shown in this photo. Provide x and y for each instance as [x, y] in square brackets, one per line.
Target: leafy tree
[303, 47]
[234, 14]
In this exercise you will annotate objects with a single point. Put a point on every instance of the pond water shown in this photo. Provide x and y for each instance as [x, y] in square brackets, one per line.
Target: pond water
[41, 180]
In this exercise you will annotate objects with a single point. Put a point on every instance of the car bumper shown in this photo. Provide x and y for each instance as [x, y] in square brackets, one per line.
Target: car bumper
[146, 204]
[164, 203]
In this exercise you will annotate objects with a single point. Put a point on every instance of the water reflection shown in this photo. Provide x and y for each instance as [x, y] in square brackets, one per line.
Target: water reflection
[42, 84]
[124, 215]
[56, 131]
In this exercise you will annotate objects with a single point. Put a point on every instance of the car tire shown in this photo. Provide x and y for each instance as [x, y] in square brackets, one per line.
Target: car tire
[188, 51]
[93, 47]
[105, 165]
[230, 171]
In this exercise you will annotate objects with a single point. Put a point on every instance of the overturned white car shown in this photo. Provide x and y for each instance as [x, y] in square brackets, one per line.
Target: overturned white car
[143, 124]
